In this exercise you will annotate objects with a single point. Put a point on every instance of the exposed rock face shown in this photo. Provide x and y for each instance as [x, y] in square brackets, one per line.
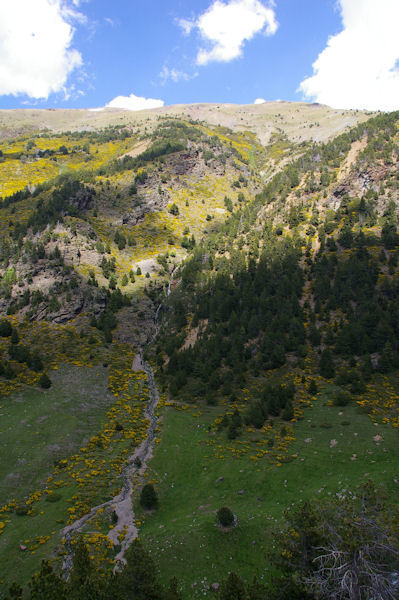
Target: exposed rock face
[83, 200]
[371, 177]
[185, 163]
[80, 303]
[73, 309]
[357, 183]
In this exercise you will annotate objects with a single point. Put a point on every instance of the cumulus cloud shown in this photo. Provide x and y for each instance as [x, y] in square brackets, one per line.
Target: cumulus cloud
[226, 25]
[359, 68]
[36, 56]
[259, 101]
[133, 102]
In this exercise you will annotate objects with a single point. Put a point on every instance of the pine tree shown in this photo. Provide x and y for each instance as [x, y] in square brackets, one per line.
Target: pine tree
[225, 516]
[148, 497]
[326, 365]
[257, 591]
[172, 592]
[233, 588]
[14, 336]
[82, 568]
[5, 328]
[15, 592]
[46, 585]
[313, 389]
[45, 381]
[138, 579]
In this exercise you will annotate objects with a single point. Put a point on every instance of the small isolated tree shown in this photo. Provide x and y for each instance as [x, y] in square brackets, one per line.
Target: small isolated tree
[112, 282]
[5, 328]
[326, 365]
[174, 209]
[148, 497]
[36, 362]
[225, 517]
[45, 381]
[313, 389]
[172, 592]
[233, 588]
[14, 337]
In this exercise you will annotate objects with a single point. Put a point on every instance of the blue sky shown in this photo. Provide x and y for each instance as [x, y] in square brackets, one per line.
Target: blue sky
[89, 53]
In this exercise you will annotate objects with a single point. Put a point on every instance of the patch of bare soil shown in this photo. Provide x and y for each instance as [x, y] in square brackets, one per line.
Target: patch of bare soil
[356, 148]
[191, 338]
[138, 149]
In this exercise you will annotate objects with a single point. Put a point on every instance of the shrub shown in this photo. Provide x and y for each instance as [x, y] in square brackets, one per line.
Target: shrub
[148, 497]
[45, 381]
[225, 517]
[54, 497]
[21, 510]
[341, 398]
[36, 363]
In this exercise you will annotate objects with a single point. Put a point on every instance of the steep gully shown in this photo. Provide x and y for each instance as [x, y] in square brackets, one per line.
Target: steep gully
[135, 465]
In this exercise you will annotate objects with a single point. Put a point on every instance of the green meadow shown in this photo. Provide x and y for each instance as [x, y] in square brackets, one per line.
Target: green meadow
[335, 449]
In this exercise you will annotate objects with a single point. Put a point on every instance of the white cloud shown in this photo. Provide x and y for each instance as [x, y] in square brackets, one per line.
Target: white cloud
[175, 75]
[358, 68]
[36, 57]
[227, 25]
[109, 21]
[186, 25]
[133, 102]
[259, 101]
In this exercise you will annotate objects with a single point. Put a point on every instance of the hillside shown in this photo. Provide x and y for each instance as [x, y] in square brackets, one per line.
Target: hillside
[293, 119]
[203, 298]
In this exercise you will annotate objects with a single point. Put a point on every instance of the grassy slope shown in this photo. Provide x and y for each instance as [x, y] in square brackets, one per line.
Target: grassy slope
[45, 425]
[187, 469]
[91, 448]
[34, 424]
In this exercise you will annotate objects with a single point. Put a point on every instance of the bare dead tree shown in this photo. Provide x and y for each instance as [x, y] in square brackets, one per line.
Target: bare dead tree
[360, 555]
[345, 548]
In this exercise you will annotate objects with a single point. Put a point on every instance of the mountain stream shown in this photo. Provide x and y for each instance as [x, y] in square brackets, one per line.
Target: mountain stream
[135, 466]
